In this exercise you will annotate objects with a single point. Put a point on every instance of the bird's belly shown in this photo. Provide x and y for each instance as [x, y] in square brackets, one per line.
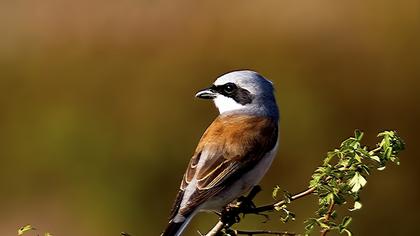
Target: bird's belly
[241, 186]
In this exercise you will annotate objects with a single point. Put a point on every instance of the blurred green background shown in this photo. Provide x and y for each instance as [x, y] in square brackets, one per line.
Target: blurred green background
[98, 118]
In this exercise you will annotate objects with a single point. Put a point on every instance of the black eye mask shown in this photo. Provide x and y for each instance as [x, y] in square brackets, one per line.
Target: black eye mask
[231, 90]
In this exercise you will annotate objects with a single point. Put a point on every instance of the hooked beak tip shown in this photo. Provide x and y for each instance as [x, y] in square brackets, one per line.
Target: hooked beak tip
[205, 94]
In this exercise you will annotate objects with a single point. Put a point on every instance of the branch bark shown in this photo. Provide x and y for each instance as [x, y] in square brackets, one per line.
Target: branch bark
[256, 232]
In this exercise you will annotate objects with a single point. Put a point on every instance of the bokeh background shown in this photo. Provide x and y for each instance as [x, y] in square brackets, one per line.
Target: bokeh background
[98, 118]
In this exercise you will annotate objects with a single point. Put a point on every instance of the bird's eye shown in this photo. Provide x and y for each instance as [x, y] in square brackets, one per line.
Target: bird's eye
[229, 88]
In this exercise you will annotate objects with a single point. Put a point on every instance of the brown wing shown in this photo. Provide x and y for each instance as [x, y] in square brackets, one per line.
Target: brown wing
[231, 146]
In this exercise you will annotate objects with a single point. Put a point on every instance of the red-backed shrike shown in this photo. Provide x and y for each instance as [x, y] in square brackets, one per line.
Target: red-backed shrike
[235, 151]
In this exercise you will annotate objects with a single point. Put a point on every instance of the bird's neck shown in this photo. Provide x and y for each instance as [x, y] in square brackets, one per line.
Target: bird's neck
[267, 110]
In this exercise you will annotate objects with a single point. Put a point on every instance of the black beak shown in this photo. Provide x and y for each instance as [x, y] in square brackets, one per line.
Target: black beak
[207, 93]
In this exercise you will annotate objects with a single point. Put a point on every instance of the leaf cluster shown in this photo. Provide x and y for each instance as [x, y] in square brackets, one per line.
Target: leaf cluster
[343, 174]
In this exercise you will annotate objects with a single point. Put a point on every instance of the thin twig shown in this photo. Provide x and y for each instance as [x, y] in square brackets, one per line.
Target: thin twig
[220, 225]
[273, 206]
[327, 217]
[255, 232]
[216, 229]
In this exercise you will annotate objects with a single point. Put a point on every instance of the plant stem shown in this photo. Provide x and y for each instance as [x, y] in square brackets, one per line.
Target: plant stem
[256, 232]
[273, 206]
[327, 217]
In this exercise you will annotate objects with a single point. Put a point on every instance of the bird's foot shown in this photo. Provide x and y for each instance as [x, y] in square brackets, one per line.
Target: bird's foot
[230, 214]
[246, 204]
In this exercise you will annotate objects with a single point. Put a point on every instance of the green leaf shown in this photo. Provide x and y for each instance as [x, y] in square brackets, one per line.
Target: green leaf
[323, 225]
[358, 134]
[275, 192]
[358, 158]
[310, 224]
[376, 158]
[388, 153]
[382, 168]
[287, 196]
[25, 229]
[346, 221]
[330, 155]
[357, 182]
[357, 206]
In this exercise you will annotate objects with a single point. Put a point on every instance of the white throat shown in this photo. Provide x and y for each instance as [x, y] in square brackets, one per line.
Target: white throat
[225, 104]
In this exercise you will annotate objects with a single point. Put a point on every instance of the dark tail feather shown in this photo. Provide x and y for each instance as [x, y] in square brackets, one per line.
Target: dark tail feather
[176, 228]
[172, 229]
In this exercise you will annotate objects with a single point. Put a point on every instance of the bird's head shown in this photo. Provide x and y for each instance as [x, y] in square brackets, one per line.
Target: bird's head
[242, 91]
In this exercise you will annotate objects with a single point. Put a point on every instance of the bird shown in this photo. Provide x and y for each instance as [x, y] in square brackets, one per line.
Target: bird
[235, 151]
